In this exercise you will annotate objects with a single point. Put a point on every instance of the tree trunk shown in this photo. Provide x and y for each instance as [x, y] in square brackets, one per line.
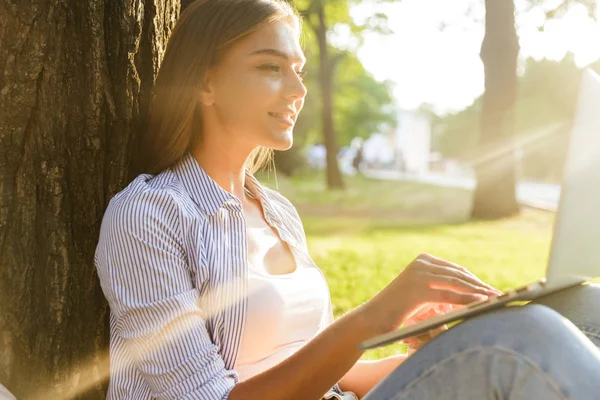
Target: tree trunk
[326, 69]
[496, 174]
[75, 82]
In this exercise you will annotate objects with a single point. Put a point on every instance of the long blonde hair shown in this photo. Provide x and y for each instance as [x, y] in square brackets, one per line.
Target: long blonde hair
[203, 33]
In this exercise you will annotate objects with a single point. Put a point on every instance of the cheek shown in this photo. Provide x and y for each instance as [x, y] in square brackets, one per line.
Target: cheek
[300, 104]
[249, 99]
[264, 91]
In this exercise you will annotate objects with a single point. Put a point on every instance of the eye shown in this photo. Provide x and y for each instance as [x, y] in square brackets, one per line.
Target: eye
[270, 67]
[301, 74]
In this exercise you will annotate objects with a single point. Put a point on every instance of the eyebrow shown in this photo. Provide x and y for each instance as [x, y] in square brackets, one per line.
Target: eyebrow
[277, 53]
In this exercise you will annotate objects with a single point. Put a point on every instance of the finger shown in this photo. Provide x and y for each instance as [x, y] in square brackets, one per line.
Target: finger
[451, 272]
[452, 297]
[443, 308]
[469, 273]
[441, 262]
[449, 264]
[456, 284]
[412, 342]
[422, 317]
[416, 342]
[424, 338]
[435, 332]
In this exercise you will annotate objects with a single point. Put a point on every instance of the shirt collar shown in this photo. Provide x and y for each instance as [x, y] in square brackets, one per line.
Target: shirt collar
[210, 196]
[201, 187]
[260, 193]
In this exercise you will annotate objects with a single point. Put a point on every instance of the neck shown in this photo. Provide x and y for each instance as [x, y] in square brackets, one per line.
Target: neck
[224, 165]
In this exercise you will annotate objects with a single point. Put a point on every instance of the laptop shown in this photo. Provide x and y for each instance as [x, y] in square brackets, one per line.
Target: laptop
[575, 249]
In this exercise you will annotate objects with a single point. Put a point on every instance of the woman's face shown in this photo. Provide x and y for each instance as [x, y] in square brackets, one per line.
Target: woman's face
[256, 92]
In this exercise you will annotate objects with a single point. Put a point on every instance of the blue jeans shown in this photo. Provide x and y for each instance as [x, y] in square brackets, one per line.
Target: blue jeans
[530, 352]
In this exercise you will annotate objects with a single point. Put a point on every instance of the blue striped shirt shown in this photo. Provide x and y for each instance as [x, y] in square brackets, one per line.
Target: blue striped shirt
[172, 262]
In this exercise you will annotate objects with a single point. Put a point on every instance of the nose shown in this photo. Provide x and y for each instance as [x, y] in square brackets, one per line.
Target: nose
[295, 88]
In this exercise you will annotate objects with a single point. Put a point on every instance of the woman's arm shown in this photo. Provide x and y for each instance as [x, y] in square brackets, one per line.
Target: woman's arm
[315, 368]
[145, 277]
[364, 375]
[328, 357]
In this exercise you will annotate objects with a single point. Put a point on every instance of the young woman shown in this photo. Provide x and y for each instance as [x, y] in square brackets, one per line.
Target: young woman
[212, 292]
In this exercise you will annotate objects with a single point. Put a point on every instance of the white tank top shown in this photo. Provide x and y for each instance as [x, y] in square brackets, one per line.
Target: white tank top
[284, 313]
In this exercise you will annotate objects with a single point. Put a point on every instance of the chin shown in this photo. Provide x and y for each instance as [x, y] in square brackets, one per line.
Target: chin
[281, 141]
[284, 146]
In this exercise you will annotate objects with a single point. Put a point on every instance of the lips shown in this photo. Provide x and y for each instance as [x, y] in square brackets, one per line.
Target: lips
[283, 117]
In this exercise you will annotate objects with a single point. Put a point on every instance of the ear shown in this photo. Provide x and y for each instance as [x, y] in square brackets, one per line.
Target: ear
[207, 93]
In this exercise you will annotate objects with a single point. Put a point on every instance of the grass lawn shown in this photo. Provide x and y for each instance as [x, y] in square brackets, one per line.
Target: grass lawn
[363, 237]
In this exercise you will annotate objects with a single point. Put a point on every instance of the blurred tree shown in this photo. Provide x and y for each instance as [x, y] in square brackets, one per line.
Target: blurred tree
[545, 106]
[289, 161]
[546, 95]
[494, 195]
[75, 81]
[362, 104]
[315, 17]
[459, 133]
[320, 17]
[548, 92]
[495, 168]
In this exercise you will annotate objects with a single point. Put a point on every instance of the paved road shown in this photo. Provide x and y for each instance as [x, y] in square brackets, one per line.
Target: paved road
[539, 195]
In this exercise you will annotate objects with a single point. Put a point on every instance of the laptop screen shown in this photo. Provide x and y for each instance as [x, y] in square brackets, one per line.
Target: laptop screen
[575, 253]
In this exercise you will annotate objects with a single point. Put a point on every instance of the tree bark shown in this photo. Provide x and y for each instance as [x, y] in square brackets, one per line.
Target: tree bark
[75, 83]
[326, 70]
[495, 169]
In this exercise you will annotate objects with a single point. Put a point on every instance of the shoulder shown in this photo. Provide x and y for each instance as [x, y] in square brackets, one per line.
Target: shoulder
[149, 201]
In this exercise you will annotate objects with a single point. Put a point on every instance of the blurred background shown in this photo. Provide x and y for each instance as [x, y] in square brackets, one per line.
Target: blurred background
[404, 82]
[434, 126]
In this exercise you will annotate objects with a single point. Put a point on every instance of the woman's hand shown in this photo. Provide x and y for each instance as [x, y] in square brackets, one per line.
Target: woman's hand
[414, 343]
[426, 281]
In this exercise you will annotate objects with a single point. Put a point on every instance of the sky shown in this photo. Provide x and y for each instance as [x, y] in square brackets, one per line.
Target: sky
[441, 67]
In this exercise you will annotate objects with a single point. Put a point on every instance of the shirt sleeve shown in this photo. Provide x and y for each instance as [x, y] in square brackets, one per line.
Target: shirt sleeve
[144, 273]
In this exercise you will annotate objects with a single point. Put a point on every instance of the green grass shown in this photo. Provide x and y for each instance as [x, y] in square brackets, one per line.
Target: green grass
[372, 199]
[360, 262]
[363, 237]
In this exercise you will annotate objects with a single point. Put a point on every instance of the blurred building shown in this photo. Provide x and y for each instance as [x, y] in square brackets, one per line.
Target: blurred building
[378, 152]
[411, 140]
[405, 147]
[316, 156]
